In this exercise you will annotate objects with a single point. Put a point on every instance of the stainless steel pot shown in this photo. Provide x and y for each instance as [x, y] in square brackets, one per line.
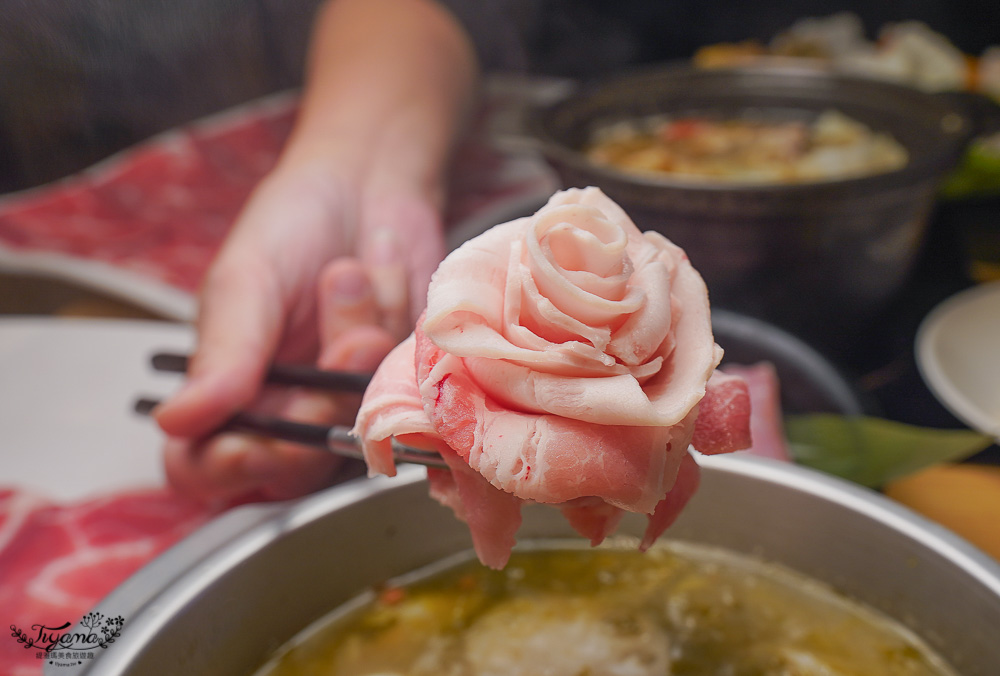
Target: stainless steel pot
[820, 259]
[220, 602]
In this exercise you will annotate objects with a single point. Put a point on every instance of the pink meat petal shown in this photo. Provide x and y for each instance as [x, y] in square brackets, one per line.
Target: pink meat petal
[493, 516]
[391, 407]
[592, 518]
[723, 423]
[669, 508]
[442, 487]
[766, 422]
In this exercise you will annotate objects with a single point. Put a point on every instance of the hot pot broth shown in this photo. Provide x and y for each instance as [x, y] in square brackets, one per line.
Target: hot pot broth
[752, 149]
[677, 609]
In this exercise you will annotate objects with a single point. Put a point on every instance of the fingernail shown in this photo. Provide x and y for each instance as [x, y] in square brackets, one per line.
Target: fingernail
[350, 286]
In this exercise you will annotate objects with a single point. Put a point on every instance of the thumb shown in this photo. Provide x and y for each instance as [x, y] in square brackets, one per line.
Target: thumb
[402, 244]
[349, 313]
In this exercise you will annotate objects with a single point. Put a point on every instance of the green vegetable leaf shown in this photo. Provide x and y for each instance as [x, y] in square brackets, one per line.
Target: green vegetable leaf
[874, 451]
[978, 175]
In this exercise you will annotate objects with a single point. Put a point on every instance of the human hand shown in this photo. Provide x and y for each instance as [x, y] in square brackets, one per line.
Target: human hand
[330, 260]
[313, 272]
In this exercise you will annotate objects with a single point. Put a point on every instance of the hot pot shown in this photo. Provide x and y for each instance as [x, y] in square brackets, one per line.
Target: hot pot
[221, 601]
[821, 259]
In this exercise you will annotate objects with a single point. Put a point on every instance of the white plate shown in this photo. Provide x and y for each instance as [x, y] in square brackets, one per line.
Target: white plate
[958, 353]
[67, 430]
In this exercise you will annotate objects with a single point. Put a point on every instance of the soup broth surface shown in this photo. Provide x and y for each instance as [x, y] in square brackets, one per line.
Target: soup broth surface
[748, 151]
[559, 611]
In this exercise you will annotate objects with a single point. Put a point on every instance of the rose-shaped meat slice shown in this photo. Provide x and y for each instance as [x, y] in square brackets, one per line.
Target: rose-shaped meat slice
[393, 408]
[567, 353]
[670, 507]
[493, 515]
[566, 359]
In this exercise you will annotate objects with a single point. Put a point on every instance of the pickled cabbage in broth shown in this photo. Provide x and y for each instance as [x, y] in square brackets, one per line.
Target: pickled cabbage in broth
[675, 610]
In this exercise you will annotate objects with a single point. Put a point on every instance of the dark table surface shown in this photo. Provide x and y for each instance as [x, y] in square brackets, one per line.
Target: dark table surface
[882, 362]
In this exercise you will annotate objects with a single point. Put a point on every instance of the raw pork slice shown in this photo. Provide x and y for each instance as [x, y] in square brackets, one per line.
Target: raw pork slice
[567, 359]
[767, 420]
[57, 561]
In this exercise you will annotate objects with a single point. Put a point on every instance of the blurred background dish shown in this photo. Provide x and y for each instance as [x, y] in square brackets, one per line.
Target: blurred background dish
[820, 259]
[752, 148]
[958, 353]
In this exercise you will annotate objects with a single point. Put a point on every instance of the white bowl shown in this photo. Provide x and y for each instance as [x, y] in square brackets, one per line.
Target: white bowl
[958, 354]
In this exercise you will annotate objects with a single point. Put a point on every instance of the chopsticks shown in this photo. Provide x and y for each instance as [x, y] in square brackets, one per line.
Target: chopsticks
[280, 374]
[333, 438]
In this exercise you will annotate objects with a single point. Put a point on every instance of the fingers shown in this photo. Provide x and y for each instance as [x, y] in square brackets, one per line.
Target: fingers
[288, 470]
[387, 267]
[402, 244]
[207, 471]
[350, 318]
[360, 349]
[228, 466]
[239, 328]
[362, 308]
[258, 297]
[425, 256]
[232, 465]
[346, 299]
